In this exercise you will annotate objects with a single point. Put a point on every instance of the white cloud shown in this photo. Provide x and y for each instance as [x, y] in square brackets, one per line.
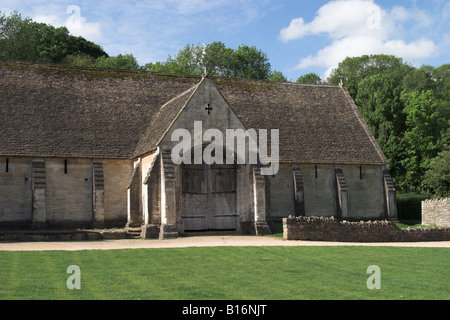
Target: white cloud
[152, 30]
[48, 19]
[74, 22]
[358, 27]
[79, 26]
[338, 19]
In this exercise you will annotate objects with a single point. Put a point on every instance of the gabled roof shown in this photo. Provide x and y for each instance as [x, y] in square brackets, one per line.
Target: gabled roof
[161, 122]
[60, 111]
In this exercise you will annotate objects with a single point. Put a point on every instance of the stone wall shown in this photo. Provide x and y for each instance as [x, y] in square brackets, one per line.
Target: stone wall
[15, 192]
[323, 196]
[436, 212]
[63, 193]
[332, 229]
[68, 193]
[116, 174]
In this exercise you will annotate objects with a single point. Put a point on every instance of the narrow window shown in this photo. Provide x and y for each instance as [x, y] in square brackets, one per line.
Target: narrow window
[65, 166]
[7, 164]
[360, 172]
[315, 171]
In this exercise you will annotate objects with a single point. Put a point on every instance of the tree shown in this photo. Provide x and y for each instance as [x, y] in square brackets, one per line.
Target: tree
[441, 78]
[419, 79]
[244, 62]
[192, 60]
[310, 78]
[219, 60]
[277, 76]
[251, 63]
[127, 61]
[23, 39]
[437, 179]
[355, 69]
[423, 135]
[406, 108]
[380, 104]
[52, 44]
[16, 38]
[79, 45]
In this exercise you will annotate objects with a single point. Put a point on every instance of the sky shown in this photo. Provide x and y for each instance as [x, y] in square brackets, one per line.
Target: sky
[299, 37]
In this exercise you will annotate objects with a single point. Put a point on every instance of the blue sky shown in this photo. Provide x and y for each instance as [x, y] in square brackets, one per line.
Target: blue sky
[298, 36]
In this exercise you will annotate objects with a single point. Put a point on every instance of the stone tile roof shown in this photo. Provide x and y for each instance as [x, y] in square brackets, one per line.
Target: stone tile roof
[60, 111]
[317, 123]
[161, 122]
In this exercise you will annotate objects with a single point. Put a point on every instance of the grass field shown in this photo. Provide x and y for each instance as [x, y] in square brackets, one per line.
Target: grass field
[240, 273]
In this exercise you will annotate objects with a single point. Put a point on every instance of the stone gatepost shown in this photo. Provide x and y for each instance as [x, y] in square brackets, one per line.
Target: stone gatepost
[98, 194]
[390, 193]
[259, 193]
[151, 199]
[134, 208]
[38, 182]
[168, 228]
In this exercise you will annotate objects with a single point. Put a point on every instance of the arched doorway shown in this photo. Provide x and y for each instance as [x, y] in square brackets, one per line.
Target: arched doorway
[209, 197]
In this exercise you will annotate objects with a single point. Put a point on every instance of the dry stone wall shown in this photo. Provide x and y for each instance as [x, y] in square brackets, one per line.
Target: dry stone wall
[436, 212]
[332, 229]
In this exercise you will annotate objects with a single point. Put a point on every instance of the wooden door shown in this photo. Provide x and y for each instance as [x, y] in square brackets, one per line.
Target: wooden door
[222, 197]
[195, 197]
[209, 197]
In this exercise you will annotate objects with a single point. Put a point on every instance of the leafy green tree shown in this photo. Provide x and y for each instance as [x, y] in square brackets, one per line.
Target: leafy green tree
[437, 179]
[244, 62]
[309, 78]
[16, 38]
[126, 61]
[406, 108]
[441, 78]
[380, 103]
[419, 79]
[277, 76]
[23, 39]
[79, 45]
[251, 63]
[423, 135]
[355, 69]
[192, 60]
[219, 60]
[52, 44]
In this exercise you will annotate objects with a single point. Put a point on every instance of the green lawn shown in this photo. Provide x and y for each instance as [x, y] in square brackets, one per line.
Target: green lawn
[240, 273]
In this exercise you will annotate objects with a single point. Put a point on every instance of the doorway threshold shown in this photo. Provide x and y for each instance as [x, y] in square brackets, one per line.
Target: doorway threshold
[205, 233]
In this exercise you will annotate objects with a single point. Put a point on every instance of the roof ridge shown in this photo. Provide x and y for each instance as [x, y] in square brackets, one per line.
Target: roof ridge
[55, 66]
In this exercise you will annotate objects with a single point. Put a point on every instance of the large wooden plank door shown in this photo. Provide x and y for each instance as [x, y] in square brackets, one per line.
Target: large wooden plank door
[222, 197]
[209, 197]
[195, 197]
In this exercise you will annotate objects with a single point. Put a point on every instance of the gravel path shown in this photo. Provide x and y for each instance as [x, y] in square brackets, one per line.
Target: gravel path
[193, 241]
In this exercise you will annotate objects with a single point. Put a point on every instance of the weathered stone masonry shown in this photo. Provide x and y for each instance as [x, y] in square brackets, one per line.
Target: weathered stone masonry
[436, 212]
[100, 157]
[332, 229]
[53, 193]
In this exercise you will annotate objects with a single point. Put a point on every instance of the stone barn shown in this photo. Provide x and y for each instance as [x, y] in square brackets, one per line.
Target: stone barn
[95, 148]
